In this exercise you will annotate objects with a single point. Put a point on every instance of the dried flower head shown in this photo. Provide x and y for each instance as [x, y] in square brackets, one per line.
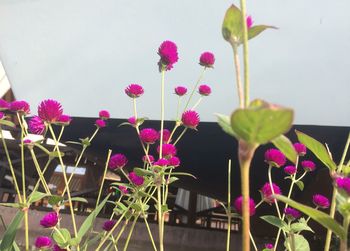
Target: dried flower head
[290, 170]
[108, 225]
[190, 119]
[43, 242]
[291, 213]
[207, 59]
[100, 123]
[239, 204]
[50, 110]
[168, 55]
[300, 149]
[134, 90]
[149, 135]
[20, 106]
[308, 165]
[104, 114]
[320, 201]
[266, 192]
[117, 161]
[36, 125]
[135, 179]
[180, 90]
[49, 220]
[275, 157]
[168, 150]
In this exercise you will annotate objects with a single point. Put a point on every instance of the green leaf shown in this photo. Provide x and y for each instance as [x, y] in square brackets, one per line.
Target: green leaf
[298, 227]
[273, 220]
[232, 25]
[225, 124]
[10, 233]
[56, 154]
[257, 29]
[321, 217]
[14, 205]
[42, 148]
[137, 207]
[165, 208]
[7, 123]
[286, 147]
[61, 236]
[301, 244]
[85, 142]
[300, 184]
[317, 148]
[183, 174]
[261, 122]
[80, 199]
[172, 180]
[36, 196]
[74, 241]
[142, 172]
[55, 199]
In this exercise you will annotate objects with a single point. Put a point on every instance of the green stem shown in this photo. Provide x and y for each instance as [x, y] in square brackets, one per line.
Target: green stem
[135, 108]
[121, 231]
[161, 115]
[104, 176]
[228, 206]
[197, 104]
[257, 205]
[273, 193]
[180, 136]
[26, 225]
[160, 218]
[195, 87]
[238, 74]
[253, 241]
[344, 243]
[178, 108]
[130, 233]
[43, 172]
[149, 232]
[41, 176]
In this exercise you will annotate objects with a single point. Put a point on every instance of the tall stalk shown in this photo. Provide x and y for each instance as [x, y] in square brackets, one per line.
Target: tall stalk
[238, 75]
[229, 216]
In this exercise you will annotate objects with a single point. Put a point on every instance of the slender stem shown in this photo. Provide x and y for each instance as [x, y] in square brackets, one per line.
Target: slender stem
[258, 205]
[43, 172]
[292, 242]
[195, 87]
[238, 75]
[26, 225]
[180, 136]
[160, 218]
[149, 232]
[344, 243]
[228, 206]
[41, 176]
[273, 193]
[135, 108]
[197, 104]
[173, 131]
[178, 108]
[253, 241]
[121, 231]
[130, 233]
[103, 177]
[161, 115]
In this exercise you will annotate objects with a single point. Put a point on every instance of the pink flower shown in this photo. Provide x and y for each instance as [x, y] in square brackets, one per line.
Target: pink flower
[104, 114]
[320, 201]
[132, 121]
[43, 242]
[190, 119]
[204, 90]
[57, 248]
[308, 165]
[239, 205]
[27, 141]
[266, 192]
[117, 161]
[290, 170]
[300, 149]
[20, 106]
[174, 161]
[207, 59]
[168, 150]
[36, 125]
[64, 119]
[134, 90]
[50, 110]
[292, 213]
[180, 90]
[4, 105]
[108, 225]
[100, 123]
[166, 135]
[161, 162]
[123, 189]
[168, 55]
[149, 159]
[269, 246]
[275, 157]
[135, 179]
[344, 184]
[49, 220]
[149, 135]
[249, 21]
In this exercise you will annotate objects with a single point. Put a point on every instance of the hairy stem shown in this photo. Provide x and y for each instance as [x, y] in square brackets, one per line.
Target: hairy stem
[238, 75]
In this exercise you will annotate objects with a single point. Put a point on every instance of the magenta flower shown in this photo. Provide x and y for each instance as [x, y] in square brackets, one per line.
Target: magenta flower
[290, 170]
[36, 125]
[43, 242]
[269, 246]
[207, 59]
[308, 165]
[49, 220]
[300, 149]
[292, 213]
[57, 248]
[4, 105]
[117, 161]
[180, 90]
[320, 201]
[344, 184]
[161, 162]
[204, 90]
[64, 119]
[123, 189]
[174, 161]
[50, 110]
[149, 159]
[168, 55]
[190, 119]
[100, 123]
[108, 225]
[275, 157]
[27, 142]
[239, 204]
[135, 179]
[166, 135]
[134, 90]
[20, 106]
[168, 150]
[104, 114]
[249, 21]
[149, 135]
[266, 192]
[132, 121]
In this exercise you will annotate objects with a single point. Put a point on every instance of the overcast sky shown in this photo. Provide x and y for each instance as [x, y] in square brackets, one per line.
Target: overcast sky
[85, 52]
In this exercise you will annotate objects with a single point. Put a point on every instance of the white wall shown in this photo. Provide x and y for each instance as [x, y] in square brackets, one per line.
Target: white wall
[84, 52]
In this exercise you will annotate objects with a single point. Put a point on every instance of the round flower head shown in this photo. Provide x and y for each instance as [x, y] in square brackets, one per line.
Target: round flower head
[43, 242]
[300, 149]
[168, 150]
[132, 121]
[168, 55]
[239, 205]
[134, 90]
[190, 119]
[275, 157]
[166, 135]
[320, 201]
[104, 114]
[249, 21]
[174, 161]
[308, 165]
[123, 189]
[100, 123]
[269, 246]
[4, 105]
[290, 170]
[64, 119]
[344, 184]
[20, 106]
[50, 110]
[49, 220]
[291, 213]
[117, 161]
[108, 225]
[149, 159]
[207, 59]
[204, 90]
[36, 125]
[57, 248]
[149, 135]
[161, 162]
[135, 179]
[180, 90]
[266, 192]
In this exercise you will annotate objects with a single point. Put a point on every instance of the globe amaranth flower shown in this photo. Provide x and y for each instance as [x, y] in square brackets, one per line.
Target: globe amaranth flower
[57, 248]
[320, 201]
[100, 123]
[132, 120]
[134, 90]
[308, 165]
[117, 161]
[166, 135]
[123, 189]
[174, 161]
[135, 179]
[291, 213]
[344, 184]
[104, 114]
[290, 170]
[161, 162]
[266, 192]
[275, 157]
[20, 106]
[50, 110]
[43, 242]
[207, 59]
[300, 149]
[4, 105]
[190, 119]
[180, 90]
[108, 225]
[204, 90]
[149, 135]
[269, 246]
[249, 21]
[148, 159]
[64, 119]
[36, 125]
[49, 220]
[168, 55]
[239, 205]
[168, 150]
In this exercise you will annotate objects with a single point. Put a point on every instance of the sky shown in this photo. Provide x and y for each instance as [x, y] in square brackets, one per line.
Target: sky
[85, 52]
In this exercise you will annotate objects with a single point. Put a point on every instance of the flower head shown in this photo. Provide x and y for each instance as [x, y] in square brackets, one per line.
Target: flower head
[64, 119]
[43, 242]
[190, 119]
[204, 90]
[100, 123]
[117, 161]
[174, 161]
[134, 90]
[49, 220]
[168, 55]
[308, 165]
[36, 125]
[207, 59]
[166, 135]
[108, 225]
[180, 90]
[275, 157]
[57, 248]
[161, 162]
[50, 110]
[132, 121]
[149, 159]
[239, 204]
[266, 192]
[168, 150]
[344, 184]
[269, 246]
[290, 170]
[123, 189]
[4, 105]
[149, 135]
[135, 179]
[104, 114]
[320, 201]
[300, 149]
[20, 106]
[249, 21]
[292, 213]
